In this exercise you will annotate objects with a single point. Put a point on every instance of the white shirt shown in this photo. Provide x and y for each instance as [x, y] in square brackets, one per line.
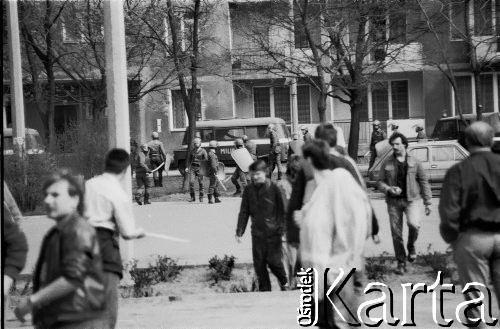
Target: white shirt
[107, 205]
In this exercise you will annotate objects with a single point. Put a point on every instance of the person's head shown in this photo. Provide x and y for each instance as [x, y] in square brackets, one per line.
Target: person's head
[293, 166]
[317, 154]
[144, 148]
[304, 130]
[376, 125]
[63, 195]
[117, 161]
[258, 171]
[244, 138]
[295, 136]
[212, 144]
[326, 132]
[394, 127]
[155, 135]
[197, 142]
[418, 128]
[399, 143]
[479, 135]
[238, 142]
[271, 127]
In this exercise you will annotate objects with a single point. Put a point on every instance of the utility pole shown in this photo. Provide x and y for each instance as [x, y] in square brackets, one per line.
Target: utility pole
[16, 79]
[116, 88]
[293, 84]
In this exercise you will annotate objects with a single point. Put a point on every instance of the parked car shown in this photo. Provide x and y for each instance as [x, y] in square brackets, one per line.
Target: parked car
[226, 131]
[453, 128]
[33, 142]
[436, 157]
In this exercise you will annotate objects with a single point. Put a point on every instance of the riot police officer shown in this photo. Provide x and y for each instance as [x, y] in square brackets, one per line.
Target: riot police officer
[198, 154]
[238, 173]
[157, 156]
[141, 171]
[274, 152]
[213, 162]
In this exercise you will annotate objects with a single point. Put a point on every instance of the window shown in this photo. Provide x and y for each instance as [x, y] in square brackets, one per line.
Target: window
[443, 153]
[483, 17]
[380, 101]
[256, 132]
[206, 135]
[70, 30]
[399, 93]
[420, 153]
[464, 86]
[487, 93]
[179, 116]
[457, 19]
[303, 104]
[228, 134]
[397, 23]
[282, 108]
[261, 102]
[313, 24]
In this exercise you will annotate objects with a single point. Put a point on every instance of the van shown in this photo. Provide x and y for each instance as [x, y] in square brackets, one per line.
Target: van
[33, 142]
[226, 131]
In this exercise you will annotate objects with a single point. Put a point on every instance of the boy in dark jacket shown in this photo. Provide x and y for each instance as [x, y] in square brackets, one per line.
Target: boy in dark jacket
[212, 174]
[262, 202]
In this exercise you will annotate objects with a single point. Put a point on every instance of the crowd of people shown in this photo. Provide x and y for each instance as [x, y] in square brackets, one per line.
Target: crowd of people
[317, 214]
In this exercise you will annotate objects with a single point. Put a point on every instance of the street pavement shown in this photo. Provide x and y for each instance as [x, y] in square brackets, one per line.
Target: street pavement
[210, 228]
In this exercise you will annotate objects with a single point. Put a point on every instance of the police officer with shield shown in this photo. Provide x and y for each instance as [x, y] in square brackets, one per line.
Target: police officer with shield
[157, 157]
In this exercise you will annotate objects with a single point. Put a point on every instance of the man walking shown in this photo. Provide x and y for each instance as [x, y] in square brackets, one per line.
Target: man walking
[274, 152]
[109, 210]
[378, 135]
[198, 154]
[157, 156]
[470, 212]
[404, 181]
[212, 174]
[141, 175]
[238, 174]
[262, 202]
[306, 135]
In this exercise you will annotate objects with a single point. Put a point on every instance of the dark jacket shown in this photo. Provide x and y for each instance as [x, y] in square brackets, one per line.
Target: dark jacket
[265, 206]
[140, 163]
[156, 150]
[213, 162]
[198, 155]
[14, 245]
[70, 250]
[299, 187]
[417, 183]
[377, 136]
[471, 196]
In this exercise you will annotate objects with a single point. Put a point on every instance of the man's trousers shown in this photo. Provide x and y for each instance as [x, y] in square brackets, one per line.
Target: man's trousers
[396, 208]
[267, 252]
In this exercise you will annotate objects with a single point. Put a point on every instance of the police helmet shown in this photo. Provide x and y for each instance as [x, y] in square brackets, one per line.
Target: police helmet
[212, 144]
[197, 141]
[244, 138]
[144, 147]
[155, 135]
[304, 128]
[376, 123]
[238, 142]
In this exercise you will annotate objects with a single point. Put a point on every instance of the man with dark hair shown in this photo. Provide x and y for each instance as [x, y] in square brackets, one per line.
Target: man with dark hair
[470, 212]
[404, 181]
[262, 202]
[68, 289]
[109, 210]
[157, 156]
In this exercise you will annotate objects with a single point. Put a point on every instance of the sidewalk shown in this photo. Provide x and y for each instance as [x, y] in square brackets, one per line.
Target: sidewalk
[251, 310]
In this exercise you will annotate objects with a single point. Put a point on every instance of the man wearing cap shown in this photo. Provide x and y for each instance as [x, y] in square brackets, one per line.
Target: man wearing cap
[198, 154]
[212, 172]
[295, 145]
[378, 135]
[274, 152]
[157, 157]
[141, 172]
[306, 136]
[238, 173]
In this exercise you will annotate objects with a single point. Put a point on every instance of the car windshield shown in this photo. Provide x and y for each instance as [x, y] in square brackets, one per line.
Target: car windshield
[447, 129]
[206, 135]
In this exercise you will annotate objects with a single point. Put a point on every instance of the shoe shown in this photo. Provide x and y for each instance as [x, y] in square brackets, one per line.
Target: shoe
[401, 269]
[210, 198]
[285, 287]
[146, 199]
[201, 197]
[412, 257]
[193, 199]
[217, 200]
[138, 200]
[237, 193]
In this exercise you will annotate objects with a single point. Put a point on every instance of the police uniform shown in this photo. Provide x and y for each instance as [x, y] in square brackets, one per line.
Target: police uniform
[377, 136]
[239, 175]
[157, 155]
[197, 155]
[213, 166]
[274, 155]
[252, 149]
[141, 170]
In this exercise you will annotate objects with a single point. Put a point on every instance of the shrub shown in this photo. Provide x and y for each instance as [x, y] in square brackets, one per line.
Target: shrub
[221, 269]
[166, 269]
[438, 261]
[25, 178]
[143, 278]
[378, 267]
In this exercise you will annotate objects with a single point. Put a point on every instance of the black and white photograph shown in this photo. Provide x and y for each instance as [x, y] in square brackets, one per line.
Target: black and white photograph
[264, 164]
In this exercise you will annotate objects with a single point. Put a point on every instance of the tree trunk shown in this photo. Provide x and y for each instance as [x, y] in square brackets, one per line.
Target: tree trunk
[478, 94]
[322, 107]
[354, 129]
[51, 106]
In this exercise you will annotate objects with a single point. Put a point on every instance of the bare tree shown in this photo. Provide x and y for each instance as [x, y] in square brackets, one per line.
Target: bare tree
[339, 47]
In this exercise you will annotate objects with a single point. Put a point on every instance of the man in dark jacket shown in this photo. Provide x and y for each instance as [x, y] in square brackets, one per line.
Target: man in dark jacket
[14, 241]
[68, 290]
[157, 156]
[213, 162]
[378, 135]
[470, 212]
[141, 175]
[262, 202]
[274, 152]
[404, 182]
